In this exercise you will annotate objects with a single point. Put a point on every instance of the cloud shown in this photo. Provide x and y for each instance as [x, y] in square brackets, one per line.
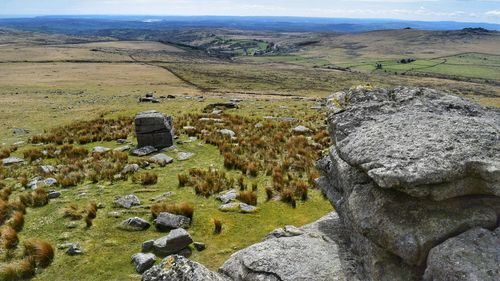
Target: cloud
[495, 13]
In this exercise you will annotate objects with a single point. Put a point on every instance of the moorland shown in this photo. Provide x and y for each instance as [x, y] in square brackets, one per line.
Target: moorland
[71, 93]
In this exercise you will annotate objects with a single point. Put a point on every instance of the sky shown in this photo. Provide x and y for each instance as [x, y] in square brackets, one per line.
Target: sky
[429, 10]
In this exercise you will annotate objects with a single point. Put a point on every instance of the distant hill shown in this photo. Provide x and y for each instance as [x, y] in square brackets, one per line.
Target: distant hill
[78, 25]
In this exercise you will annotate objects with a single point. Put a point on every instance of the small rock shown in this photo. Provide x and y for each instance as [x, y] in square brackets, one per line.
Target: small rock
[49, 181]
[199, 246]
[245, 208]
[227, 132]
[143, 262]
[230, 207]
[12, 160]
[175, 241]
[184, 155]
[301, 130]
[161, 159]
[130, 168]
[121, 141]
[147, 246]
[127, 201]
[162, 196]
[134, 224]
[74, 249]
[114, 214]
[228, 196]
[100, 149]
[54, 194]
[144, 151]
[47, 169]
[20, 131]
[71, 224]
[167, 221]
[122, 148]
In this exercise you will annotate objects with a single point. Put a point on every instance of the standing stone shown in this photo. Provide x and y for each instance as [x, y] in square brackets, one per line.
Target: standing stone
[153, 129]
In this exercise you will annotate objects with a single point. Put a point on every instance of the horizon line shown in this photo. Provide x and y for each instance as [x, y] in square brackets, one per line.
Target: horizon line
[13, 16]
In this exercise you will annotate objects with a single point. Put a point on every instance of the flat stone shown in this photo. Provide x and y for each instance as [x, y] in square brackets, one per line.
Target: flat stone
[181, 156]
[161, 159]
[245, 208]
[12, 160]
[230, 207]
[100, 149]
[228, 196]
[47, 169]
[130, 168]
[227, 132]
[49, 181]
[54, 194]
[301, 130]
[144, 151]
[167, 221]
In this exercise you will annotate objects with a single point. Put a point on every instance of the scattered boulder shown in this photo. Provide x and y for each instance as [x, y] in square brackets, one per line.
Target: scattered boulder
[472, 255]
[301, 130]
[167, 221]
[177, 267]
[220, 106]
[162, 196]
[147, 246]
[49, 181]
[114, 214]
[47, 169]
[127, 201]
[199, 246]
[228, 196]
[54, 194]
[245, 208]
[161, 159]
[153, 128]
[181, 156]
[227, 132]
[173, 243]
[130, 168]
[20, 131]
[144, 151]
[143, 262]
[135, 224]
[12, 160]
[74, 249]
[100, 149]
[238, 207]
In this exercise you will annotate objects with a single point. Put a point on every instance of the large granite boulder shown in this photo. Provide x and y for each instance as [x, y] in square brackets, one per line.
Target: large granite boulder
[173, 243]
[167, 221]
[314, 252]
[410, 168]
[153, 128]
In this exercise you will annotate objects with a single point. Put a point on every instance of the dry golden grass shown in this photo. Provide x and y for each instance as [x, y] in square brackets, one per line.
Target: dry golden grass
[217, 226]
[40, 250]
[184, 209]
[16, 220]
[248, 197]
[9, 237]
[146, 178]
[72, 212]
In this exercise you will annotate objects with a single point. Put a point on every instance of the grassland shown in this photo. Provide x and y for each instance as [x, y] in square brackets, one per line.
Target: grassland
[44, 86]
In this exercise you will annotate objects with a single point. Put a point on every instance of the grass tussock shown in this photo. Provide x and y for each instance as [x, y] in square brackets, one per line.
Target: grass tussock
[8, 236]
[206, 182]
[146, 178]
[40, 251]
[18, 270]
[16, 220]
[248, 197]
[91, 212]
[84, 132]
[217, 226]
[6, 151]
[72, 212]
[184, 209]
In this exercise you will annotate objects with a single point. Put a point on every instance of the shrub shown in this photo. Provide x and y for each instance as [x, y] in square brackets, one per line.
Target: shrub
[5, 193]
[252, 169]
[184, 209]
[71, 211]
[248, 197]
[41, 252]
[217, 226]
[33, 154]
[9, 237]
[4, 211]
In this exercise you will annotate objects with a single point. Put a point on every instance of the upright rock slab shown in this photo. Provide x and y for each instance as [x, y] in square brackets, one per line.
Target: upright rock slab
[411, 168]
[153, 128]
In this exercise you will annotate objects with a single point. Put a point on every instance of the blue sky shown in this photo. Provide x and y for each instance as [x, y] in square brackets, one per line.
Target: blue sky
[456, 10]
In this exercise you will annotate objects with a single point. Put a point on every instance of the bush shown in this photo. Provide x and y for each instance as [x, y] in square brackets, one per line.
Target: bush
[248, 197]
[16, 220]
[41, 252]
[33, 154]
[184, 209]
[40, 197]
[183, 180]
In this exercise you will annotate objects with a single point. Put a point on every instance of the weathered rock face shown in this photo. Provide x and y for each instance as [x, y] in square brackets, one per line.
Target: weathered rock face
[314, 252]
[153, 129]
[177, 267]
[411, 168]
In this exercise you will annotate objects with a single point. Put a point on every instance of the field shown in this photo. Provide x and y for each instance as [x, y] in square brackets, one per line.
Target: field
[67, 80]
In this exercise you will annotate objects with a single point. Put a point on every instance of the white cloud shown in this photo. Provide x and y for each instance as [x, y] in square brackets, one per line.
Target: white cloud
[495, 13]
